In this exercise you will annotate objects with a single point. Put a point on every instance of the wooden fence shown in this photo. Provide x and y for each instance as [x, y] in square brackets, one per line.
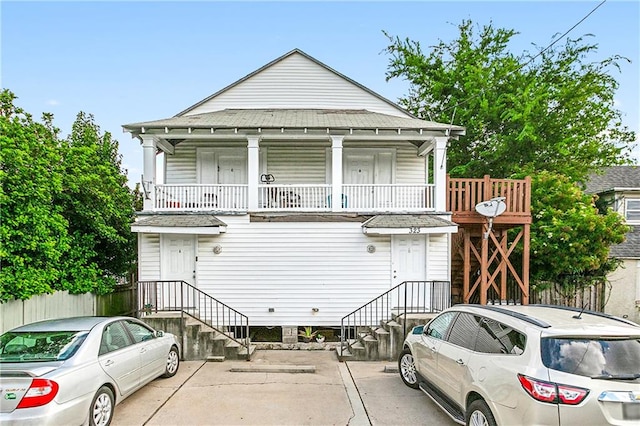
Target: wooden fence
[591, 298]
[62, 304]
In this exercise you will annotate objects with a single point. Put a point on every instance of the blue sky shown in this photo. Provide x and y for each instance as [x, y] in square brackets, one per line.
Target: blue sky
[126, 62]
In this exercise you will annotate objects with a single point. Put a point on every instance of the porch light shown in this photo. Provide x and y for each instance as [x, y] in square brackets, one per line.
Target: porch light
[217, 249]
[371, 248]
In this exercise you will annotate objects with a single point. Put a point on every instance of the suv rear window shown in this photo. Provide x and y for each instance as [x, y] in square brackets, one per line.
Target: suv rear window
[594, 357]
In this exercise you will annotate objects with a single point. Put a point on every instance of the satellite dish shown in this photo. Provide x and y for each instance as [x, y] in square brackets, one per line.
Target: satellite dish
[492, 208]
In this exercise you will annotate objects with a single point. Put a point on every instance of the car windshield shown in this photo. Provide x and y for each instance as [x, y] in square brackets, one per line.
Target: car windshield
[597, 357]
[40, 346]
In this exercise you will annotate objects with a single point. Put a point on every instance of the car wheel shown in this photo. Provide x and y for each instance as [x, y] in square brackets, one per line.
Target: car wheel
[479, 414]
[173, 362]
[407, 369]
[101, 410]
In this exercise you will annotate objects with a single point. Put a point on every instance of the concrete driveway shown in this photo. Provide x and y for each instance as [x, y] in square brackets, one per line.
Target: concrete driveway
[281, 388]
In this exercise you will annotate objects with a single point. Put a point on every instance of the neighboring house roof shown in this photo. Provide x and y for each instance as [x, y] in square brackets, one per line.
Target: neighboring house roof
[619, 179]
[179, 224]
[630, 248]
[282, 58]
[613, 179]
[291, 118]
[400, 223]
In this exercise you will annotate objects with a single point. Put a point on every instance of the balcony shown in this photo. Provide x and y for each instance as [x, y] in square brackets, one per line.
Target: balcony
[295, 198]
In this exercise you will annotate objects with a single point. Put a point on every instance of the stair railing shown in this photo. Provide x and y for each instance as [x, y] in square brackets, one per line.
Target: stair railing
[180, 296]
[408, 297]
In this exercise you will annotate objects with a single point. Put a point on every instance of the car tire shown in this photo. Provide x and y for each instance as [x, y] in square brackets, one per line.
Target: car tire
[479, 414]
[407, 369]
[101, 410]
[173, 362]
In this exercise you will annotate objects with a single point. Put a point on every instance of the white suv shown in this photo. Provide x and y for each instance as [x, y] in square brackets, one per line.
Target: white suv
[521, 365]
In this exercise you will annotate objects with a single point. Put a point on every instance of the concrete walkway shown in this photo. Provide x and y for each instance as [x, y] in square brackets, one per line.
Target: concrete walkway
[280, 388]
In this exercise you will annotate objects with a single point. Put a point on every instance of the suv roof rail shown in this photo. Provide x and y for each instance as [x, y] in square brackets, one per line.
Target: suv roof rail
[521, 316]
[586, 311]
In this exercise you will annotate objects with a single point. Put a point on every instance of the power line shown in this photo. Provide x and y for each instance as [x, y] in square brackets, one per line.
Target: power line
[533, 58]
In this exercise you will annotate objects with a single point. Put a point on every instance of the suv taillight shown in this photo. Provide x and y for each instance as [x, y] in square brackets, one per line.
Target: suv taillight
[553, 393]
[41, 392]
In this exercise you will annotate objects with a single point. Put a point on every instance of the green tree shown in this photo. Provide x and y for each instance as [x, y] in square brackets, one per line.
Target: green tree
[550, 111]
[550, 115]
[570, 238]
[66, 208]
[98, 204]
[33, 230]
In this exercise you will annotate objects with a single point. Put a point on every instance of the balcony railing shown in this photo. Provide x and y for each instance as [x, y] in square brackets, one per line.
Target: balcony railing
[303, 198]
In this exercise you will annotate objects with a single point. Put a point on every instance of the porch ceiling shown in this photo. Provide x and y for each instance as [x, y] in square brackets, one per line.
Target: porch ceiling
[179, 224]
[290, 121]
[393, 224]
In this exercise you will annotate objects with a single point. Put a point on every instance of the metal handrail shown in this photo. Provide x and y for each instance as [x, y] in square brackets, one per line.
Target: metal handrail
[408, 297]
[180, 296]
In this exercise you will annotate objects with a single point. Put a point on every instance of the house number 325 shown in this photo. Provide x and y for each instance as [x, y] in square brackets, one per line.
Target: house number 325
[414, 230]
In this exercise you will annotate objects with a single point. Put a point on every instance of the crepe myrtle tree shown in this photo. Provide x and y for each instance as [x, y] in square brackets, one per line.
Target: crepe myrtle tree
[570, 237]
[548, 110]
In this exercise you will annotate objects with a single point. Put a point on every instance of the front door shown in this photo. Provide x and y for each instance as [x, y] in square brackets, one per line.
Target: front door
[232, 171]
[178, 264]
[359, 170]
[409, 263]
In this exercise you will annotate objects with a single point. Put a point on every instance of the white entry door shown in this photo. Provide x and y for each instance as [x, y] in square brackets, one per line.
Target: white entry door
[178, 264]
[409, 263]
[232, 170]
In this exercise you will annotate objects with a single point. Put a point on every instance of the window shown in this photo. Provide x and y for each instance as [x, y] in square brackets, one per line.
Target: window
[632, 210]
[438, 327]
[139, 332]
[114, 337]
[593, 356]
[464, 331]
[498, 338]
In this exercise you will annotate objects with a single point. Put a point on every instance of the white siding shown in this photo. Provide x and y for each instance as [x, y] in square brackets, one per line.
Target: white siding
[297, 82]
[293, 267]
[438, 257]
[181, 167]
[148, 257]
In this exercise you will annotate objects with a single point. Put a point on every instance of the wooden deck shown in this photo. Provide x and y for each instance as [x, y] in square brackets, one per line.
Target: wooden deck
[464, 194]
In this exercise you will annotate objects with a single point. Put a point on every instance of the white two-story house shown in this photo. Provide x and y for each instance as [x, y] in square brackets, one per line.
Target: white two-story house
[618, 188]
[294, 195]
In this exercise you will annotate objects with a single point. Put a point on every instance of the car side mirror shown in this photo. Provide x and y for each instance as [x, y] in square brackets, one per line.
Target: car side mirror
[418, 329]
[159, 333]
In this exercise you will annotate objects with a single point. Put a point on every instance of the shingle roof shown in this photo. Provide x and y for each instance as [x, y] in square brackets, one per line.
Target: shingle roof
[630, 248]
[406, 221]
[183, 221]
[614, 177]
[292, 118]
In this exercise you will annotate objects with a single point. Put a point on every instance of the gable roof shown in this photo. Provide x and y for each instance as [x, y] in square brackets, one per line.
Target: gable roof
[281, 59]
[613, 179]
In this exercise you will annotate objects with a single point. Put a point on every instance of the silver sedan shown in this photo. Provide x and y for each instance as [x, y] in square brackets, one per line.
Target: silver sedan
[74, 371]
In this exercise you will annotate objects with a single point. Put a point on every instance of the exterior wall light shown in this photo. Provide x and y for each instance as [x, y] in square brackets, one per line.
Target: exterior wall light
[217, 249]
[371, 248]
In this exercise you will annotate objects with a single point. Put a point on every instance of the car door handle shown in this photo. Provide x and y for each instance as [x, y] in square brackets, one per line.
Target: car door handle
[109, 363]
[459, 362]
[433, 348]
[143, 350]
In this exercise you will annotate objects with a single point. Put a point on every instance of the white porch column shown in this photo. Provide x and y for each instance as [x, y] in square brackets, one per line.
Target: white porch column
[440, 173]
[253, 171]
[149, 149]
[336, 173]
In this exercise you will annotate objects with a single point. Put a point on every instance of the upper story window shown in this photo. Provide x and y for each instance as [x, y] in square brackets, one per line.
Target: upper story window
[632, 210]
